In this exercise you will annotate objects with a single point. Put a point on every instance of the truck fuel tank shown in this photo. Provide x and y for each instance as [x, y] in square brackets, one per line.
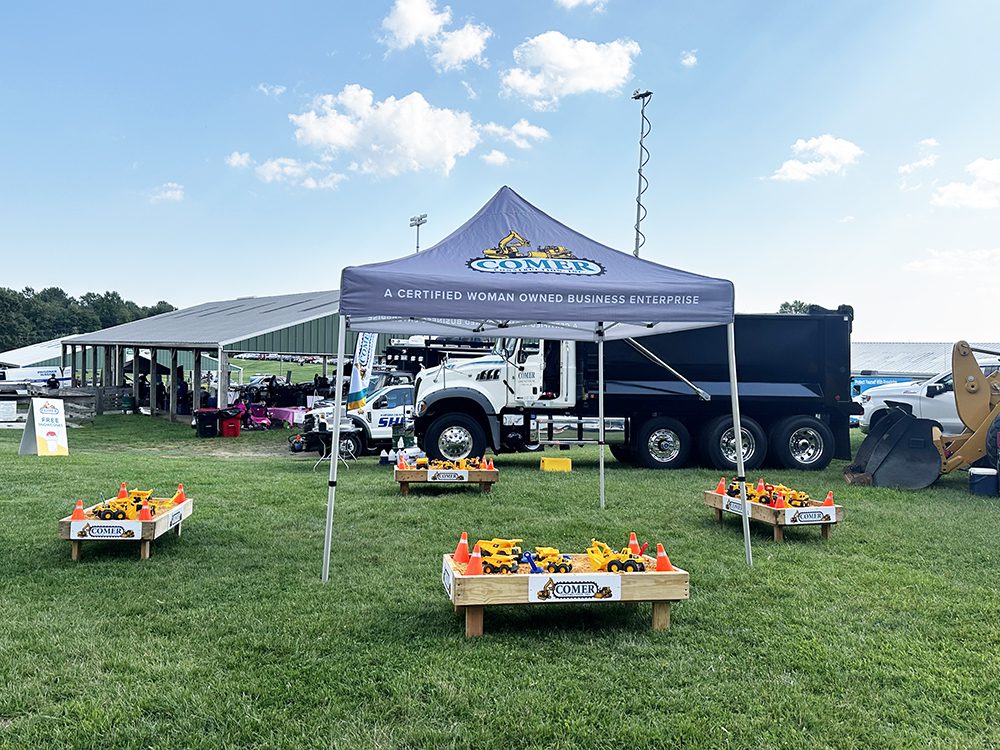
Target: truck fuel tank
[549, 429]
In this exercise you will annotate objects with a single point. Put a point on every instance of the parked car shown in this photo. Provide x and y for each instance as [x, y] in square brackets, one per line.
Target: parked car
[384, 408]
[933, 399]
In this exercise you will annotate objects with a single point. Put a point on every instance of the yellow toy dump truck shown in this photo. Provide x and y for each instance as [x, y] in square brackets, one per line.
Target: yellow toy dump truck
[551, 560]
[499, 563]
[127, 508]
[602, 557]
[488, 547]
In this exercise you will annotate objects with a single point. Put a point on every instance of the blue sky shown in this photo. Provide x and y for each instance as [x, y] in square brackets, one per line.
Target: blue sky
[833, 152]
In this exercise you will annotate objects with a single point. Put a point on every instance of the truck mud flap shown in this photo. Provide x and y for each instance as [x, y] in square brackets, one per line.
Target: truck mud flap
[898, 452]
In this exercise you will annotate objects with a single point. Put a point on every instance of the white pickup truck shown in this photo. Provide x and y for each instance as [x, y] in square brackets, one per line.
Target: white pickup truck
[384, 408]
[932, 399]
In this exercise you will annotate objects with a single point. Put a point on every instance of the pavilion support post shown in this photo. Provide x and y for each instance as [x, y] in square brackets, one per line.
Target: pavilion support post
[107, 377]
[741, 477]
[135, 378]
[331, 491]
[172, 411]
[83, 366]
[93, 366]
[196, 382]
[223, 380]
[324, 366]
[62, 357]
[153, 370]
[120, 366]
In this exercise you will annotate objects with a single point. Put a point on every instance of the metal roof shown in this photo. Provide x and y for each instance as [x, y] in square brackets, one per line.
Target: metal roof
[214, 324]
[26, 356]
[916, 359]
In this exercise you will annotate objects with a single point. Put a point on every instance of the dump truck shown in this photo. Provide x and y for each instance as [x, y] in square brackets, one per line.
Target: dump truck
[904, 451]
[794, 386]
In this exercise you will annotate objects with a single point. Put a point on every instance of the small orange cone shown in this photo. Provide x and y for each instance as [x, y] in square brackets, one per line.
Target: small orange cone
[78, 514]
[662, 561]
[829, 499]
[760, 486]
[491, 466]
[180, 497]
[122, 492]
[462, 550]
[400, 463]
[779, 499]
[475, 566]
[144, 514]
[721, 487]
[633, 543]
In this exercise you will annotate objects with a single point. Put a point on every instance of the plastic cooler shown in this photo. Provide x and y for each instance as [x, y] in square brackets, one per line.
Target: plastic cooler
[983, 482]
[229, 422]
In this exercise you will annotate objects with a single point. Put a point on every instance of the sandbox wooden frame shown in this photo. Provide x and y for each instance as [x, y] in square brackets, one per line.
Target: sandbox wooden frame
[775, 517]
[471, 594]
[485, 478]
[171, 520]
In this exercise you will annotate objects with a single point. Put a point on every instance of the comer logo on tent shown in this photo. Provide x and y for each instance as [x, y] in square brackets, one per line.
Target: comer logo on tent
[513, 255]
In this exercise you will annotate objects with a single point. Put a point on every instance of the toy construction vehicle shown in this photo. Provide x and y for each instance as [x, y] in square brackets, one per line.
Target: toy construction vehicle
[602, 557]
[515, 246]
[127, 508]
[904, 451]
[491, 547]
[500, 563]
[463, 464]
[550, 560]
[793, 498]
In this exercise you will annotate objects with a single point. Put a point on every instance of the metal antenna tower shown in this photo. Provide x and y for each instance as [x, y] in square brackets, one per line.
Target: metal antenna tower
[644, 129]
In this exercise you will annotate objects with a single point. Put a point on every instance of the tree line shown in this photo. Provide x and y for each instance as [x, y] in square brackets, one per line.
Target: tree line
[28, 317]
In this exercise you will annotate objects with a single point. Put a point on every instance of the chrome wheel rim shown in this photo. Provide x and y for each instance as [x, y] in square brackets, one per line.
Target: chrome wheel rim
[455, 443]
[728, 444]
[347, 446]
[664, 445]
[805, 445]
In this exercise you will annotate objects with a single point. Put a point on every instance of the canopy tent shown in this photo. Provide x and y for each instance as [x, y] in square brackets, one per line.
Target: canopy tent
[513, 271]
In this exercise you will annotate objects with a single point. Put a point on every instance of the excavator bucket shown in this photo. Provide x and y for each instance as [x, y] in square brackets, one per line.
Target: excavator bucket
[898, 452]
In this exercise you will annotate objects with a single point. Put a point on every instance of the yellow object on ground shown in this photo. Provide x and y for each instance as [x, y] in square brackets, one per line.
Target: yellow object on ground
[550, 463]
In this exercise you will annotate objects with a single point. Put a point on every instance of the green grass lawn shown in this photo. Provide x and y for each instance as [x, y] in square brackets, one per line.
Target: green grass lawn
[885, 636]
[300, 373]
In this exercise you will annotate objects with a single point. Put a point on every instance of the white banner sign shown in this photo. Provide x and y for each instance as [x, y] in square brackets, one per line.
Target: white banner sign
[45, 431]
[361, 370]
[733, 505]
[814, 514]
[447, 475]
[117, 531]
[571, 587]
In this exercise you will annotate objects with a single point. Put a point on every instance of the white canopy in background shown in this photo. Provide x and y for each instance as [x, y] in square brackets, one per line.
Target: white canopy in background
[512, 270]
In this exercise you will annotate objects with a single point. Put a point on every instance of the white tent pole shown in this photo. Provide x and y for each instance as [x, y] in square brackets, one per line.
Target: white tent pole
[600, 400]
[738, 432]
[331, 491]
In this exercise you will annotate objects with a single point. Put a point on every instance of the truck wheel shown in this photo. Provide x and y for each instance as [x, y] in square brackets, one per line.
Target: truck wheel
[718, 443]
[991, 443]
[623, 454]
[452, 437]
[663, 443]
[350, 444]
[802, 443]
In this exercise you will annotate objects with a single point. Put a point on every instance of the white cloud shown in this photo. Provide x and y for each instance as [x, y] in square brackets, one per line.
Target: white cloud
[982, 192]
[825, 155]
[169, 191]
[954, 263]
[412, 21]
[496, 158]
[927, 159]
[596, 5]
[521, 134]
[456, 48]
[309, 175]
[269, 89]
[469, 91]
[551, 66]
[238, 160]
[389, 137]
[929, 143]
[689, 58]
[328, 181]
[847, 220]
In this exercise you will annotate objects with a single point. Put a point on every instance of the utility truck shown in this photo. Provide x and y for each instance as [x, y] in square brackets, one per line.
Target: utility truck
[667, 397]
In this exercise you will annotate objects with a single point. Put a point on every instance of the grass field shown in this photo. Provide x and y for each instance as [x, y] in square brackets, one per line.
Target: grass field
[886, 636]
[300, 373]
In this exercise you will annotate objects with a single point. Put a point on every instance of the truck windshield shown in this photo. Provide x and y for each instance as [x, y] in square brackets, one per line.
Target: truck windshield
[505, 348]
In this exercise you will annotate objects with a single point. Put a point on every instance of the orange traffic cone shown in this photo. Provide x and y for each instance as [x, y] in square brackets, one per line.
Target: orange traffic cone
[721, 487]
[829, 498]
[662, 561]
[122, 492]
[760, 486]
[400, 463]
[462, 550]
[491, 466]
[475, 566]
[180, 497]
[779, 499]
[144, 514]
[633, 543]
[78, 514]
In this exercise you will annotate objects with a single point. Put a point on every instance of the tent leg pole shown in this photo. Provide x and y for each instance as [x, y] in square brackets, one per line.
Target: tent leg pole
[738, 433]
[600, 403]
[331, 491]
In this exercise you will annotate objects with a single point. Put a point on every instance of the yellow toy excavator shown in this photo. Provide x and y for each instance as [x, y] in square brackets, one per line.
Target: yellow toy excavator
[602, 557]
[904, 451]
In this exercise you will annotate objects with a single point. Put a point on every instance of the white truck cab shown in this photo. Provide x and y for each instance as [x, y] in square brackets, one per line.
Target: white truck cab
[385, 407]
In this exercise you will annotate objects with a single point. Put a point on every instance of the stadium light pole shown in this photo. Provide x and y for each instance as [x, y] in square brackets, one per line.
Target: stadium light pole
[644, 129]
[416, 221]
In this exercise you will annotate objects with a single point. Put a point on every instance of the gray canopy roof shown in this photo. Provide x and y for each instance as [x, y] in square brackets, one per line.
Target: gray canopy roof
[512, 270]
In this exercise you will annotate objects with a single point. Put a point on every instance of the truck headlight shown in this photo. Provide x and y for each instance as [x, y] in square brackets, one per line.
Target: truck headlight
[420, 409]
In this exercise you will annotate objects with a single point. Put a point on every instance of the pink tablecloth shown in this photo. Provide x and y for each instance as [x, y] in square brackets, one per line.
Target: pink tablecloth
[290, 414]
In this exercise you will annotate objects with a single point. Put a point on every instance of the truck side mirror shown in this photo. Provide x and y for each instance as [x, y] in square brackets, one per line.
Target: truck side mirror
[381, 403]
[936, 389]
